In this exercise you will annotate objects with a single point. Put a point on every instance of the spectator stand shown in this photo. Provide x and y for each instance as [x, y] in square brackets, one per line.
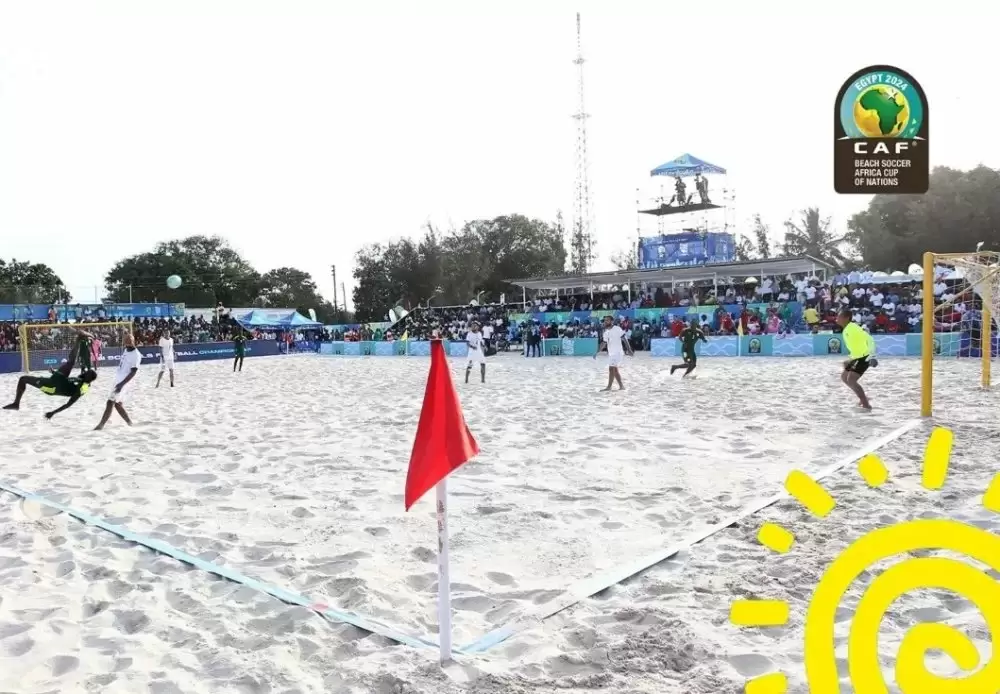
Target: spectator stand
[764, 296]
[451, 323]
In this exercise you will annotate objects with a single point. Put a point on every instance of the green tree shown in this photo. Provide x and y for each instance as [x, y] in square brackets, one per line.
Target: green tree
[745, 249]
[455, 267]
[959, 210]
[761, 233]
[22, 282]
[581, 245]
[211, 270]
[812, 236]
[625, 259]
[288, 287]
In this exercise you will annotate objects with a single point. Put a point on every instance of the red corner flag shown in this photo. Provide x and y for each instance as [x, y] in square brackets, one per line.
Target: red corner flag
[443, 441]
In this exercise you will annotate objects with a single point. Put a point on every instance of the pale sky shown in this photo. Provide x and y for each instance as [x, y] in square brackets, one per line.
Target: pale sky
[300, 130]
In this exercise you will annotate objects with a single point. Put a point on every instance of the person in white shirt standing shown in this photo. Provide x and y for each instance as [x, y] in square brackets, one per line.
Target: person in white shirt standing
[614, 343]
[128, 367]
[166, 358]
[474, 339]
[487, 337]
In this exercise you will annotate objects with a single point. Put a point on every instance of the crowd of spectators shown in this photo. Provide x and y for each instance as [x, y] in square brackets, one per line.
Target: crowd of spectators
[758, 306]
[147, 331]
[879, 303]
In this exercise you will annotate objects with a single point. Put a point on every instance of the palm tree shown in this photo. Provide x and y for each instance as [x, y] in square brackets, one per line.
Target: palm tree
[812, 236]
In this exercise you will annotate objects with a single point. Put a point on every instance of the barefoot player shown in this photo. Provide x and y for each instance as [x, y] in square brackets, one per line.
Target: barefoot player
[474, 339]
[861, 350]
[85, 347]
[59, 383]
[128, 367]
[689, 338]
[240, 347]
[613, 342]
[166, 358]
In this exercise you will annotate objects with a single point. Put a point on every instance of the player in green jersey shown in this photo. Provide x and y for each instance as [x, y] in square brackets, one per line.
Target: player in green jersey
[861, 350]
[689, 338]
[240, 345]
[60, 383]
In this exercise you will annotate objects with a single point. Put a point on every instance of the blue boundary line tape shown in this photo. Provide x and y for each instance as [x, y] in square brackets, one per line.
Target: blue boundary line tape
[330, 614]
[595, 584]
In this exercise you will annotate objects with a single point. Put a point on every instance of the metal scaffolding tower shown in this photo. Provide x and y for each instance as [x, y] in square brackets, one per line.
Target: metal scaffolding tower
[581, 243]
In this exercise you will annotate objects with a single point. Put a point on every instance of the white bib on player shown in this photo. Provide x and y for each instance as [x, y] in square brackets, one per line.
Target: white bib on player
[130, 360]
[616, 352]
[167, 349]
[475, 341]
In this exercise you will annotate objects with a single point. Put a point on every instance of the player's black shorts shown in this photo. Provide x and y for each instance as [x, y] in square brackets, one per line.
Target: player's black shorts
[689, 356]
[858, 366]
[56, 384]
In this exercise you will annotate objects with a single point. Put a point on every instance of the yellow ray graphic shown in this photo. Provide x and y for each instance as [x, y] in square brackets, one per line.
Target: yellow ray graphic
[775, 683]
[775, 537]
[936, 457]
[758, 613]
[809, 493]
[873, 470]
[991, 499]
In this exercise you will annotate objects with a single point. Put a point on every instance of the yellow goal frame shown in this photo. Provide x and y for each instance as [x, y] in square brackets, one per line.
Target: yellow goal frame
[927, 328]
[25, 327]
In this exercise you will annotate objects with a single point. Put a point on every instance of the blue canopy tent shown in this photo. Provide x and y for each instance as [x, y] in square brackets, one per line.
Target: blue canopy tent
[278, 320]
[686, 165]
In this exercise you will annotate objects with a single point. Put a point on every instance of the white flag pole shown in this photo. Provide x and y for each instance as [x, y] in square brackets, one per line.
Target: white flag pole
[444, 575]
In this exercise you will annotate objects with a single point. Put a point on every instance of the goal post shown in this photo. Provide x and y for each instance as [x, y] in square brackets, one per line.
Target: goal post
[971, 298]
[46, 345]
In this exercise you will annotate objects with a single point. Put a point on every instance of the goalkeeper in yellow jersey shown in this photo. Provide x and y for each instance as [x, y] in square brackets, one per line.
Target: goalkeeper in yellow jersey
[59, 383]
[861, 349]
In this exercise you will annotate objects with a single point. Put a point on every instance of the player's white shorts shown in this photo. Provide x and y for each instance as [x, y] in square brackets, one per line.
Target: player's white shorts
[475, 357]
[124, 396]
[615, 360]
[166, 365]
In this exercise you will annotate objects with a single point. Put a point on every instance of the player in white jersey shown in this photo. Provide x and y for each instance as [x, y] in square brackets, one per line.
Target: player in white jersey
[128, 367]
[613, 341]
[166, 358]
[474, 339]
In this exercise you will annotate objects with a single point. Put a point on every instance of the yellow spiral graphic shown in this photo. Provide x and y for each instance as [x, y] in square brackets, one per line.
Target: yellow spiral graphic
[955, 575]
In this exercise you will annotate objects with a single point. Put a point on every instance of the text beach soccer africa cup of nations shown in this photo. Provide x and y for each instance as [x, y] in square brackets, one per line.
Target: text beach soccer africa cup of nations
[880, 129]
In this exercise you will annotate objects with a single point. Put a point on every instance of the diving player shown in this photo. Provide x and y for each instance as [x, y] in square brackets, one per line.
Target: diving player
[60, 383]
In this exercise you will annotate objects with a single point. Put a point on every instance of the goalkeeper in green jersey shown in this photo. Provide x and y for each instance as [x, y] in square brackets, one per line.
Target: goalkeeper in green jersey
[861, 349]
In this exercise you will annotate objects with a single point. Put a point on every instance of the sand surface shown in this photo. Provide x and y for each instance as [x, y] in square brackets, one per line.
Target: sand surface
[293, 472]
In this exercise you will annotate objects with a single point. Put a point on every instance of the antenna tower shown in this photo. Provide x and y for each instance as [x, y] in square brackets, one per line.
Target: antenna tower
[581, 243]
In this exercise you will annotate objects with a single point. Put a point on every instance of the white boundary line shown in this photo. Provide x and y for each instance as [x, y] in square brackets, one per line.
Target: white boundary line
[329, 613]
[595, 584]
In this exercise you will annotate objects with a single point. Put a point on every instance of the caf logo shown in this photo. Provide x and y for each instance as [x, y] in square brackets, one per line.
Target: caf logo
[880, 134]
[833, 346]
[755, 346]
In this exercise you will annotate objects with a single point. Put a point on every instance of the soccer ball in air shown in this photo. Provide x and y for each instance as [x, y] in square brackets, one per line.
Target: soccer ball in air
[174, 282]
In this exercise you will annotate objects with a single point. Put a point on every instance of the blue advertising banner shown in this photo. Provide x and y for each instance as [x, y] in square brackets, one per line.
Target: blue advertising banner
[792, 345]
[66, 312]
[569, 347]
[686, 249]
[398, 348]
[10, 362]
[823, 344]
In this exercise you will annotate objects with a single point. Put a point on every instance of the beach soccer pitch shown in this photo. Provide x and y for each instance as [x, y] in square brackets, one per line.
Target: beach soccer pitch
[298, 491]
